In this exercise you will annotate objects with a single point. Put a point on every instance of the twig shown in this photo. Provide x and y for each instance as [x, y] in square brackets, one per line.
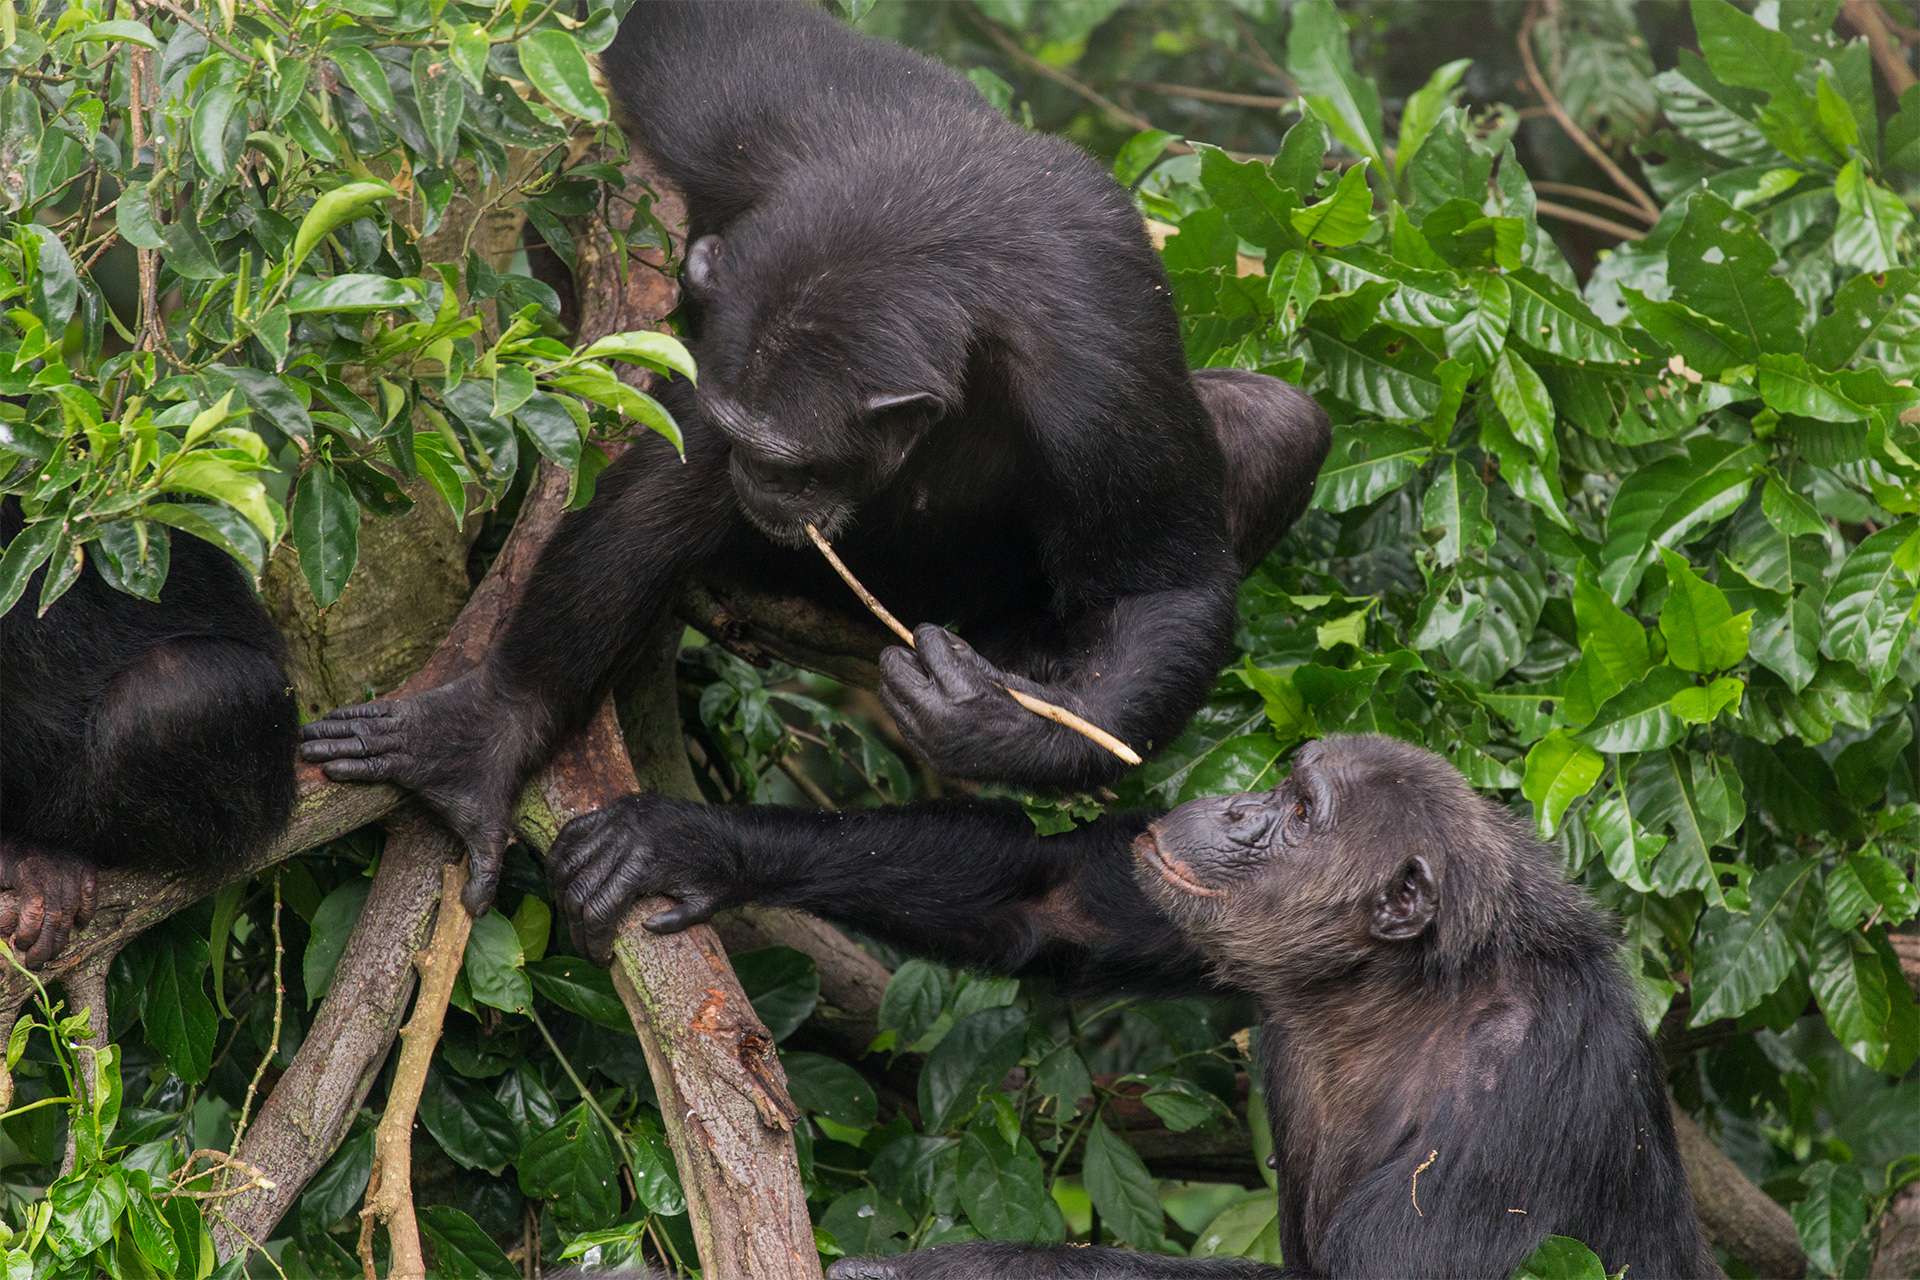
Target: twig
[1570, 127]
[1009, 46]
[1567, 213]
[1866, 17]
[1040, 707]
[1628, 207]
[1225, 97]
[139, 65]
[1258, 52]
[390, 1186]
[1424, 1166]
[279, 1008]
[808, 787]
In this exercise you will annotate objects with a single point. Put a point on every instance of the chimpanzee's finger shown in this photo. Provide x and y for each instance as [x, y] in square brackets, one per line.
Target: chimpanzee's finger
[484, 861]
[955, 667]
[697, 909]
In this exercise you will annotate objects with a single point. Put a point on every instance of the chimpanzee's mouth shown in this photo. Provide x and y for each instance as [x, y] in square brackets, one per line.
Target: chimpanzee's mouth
[1172, 870]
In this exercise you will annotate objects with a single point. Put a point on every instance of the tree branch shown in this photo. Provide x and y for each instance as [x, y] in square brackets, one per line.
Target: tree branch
[1570, 127]
[1737, 1215]
[1866, 17]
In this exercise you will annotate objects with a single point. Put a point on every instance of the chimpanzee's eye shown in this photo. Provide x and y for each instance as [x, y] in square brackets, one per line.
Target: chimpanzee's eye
[1302, 810]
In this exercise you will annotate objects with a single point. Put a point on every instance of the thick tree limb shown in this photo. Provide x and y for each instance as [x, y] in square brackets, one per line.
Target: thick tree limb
[1738, 1216]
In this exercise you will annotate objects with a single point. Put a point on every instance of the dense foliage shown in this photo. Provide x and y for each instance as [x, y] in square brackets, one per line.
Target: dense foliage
[1637, 548]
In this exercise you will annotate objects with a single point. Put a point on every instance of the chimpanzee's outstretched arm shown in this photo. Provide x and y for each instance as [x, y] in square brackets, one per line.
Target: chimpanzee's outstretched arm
[467, 746]
[967, 882]
[1068, 1262]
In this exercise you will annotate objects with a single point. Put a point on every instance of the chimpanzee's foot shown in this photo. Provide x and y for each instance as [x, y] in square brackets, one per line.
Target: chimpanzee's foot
[53, 895]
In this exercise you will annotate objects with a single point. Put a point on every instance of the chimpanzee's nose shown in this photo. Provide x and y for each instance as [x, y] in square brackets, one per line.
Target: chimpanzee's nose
[1249, 819]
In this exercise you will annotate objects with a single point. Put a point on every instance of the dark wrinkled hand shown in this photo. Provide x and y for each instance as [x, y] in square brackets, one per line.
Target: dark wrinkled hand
[952, 707]
[639, 847]
[54, 895]
[451, 747]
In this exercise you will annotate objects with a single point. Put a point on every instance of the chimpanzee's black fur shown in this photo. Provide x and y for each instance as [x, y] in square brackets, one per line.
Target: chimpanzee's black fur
[134, 732]
[947, 342]
[1435, 997]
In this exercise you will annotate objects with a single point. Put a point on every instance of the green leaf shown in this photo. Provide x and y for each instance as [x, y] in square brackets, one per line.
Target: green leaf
[1867, 234]
[1256, 205]
[1870, 603]
[1561, 1258]
[1699, 800]
[216, 142]
[222, 527]
[1138, 154]
[1790, 385]
[1610, 637]
[1344, 217]
[339, 205]
[458, 1249]
[1367, 462]
[864, 1222]
[1123, 1191]
[176, 1012]
[495, 966]
[468, 46]
[1247, 1228]
[56, 283]
[218, 478]
[1863, 311]
[1664, 503]
[1423, 108]
[351, 294]
[1832, 1217]
[1787, 511]
[442, 101]
[1549, 318]
[1865, 997]
[783, 984]
[552, 428]
[913, 999]
[1523, 401]
[601, 387]
[1003, 1189]
[831, 1088]
[471, 1125]
[556, 67]
[1559, 771]
[661, 351]
[974, 1056]
[1862, 768]
[121, 30]
[326, 532]
[1320, 63]
[1641, 717]
[1703, 633]
[1293, 286]
[572, 1164]
[133, 218]
[1740, 960]
[1866, 884]
[580, 988]
[332, 925]
[1707, 346]
[367, 77]
[1381, 373]
[26, 553]
[1721, 267]
[1453, 511]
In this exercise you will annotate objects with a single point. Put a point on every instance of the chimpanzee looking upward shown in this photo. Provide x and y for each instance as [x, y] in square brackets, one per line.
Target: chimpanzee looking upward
[947, 342]
[1434, 996]
[133, 731]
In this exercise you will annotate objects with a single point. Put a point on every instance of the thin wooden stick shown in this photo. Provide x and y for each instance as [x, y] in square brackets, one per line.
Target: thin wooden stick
[1039, 706]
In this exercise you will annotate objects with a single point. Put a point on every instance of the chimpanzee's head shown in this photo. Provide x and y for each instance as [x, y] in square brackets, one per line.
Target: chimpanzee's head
[1373, 849]
[824, 357]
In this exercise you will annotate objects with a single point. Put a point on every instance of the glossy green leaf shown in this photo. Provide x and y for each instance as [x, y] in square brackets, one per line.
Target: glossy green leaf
[1559, 771]
[1702, 631]
[343, 203]
[495, 966]
[572, 1164]
[1344, 217]
[556, 67]
[458, 1249]
[351, 294]
[830, 1088]
[1320, 64]
[1123, 1191]
[974, 1056]
[1743, 958]
[326, 532]
[1831, 1217]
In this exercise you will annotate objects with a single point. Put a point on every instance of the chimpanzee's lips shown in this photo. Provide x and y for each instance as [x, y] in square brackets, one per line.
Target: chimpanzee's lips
[1172, 870]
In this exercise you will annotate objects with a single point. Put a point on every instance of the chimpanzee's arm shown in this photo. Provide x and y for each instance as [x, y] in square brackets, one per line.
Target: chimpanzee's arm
[1068, 1262]
[967, 882]
[608, 574]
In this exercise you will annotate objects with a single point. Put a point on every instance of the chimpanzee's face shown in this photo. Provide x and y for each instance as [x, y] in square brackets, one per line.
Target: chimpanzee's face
[820, 385]
[1344, 857]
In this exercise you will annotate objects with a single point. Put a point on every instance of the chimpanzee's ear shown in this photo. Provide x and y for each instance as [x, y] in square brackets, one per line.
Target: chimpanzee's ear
[1404, 910]
[703, 258]
[893, 402]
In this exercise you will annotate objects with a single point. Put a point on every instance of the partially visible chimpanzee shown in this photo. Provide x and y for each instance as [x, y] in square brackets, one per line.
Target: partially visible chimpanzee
[1436, 999]
[948, 343]
[134, 732]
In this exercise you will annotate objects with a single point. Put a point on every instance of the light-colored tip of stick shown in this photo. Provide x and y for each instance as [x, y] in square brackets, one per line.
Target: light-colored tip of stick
[1039, 706]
